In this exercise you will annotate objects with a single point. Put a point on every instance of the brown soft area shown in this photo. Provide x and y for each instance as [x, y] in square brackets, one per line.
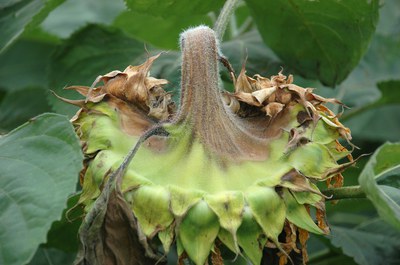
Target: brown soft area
[113, 227]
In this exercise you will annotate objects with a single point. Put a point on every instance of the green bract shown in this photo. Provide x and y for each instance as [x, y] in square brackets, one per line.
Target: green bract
[237, 168]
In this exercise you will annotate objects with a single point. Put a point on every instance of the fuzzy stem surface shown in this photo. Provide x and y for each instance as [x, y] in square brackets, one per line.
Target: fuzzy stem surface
[350, 192]
[224, 18]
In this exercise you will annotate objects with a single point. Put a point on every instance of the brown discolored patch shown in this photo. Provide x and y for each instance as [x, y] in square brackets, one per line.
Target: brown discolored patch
[112, 226]
[303, 237]
[216, 257]
[303, 119]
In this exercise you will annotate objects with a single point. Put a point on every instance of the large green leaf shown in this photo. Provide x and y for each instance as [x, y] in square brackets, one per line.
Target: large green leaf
[40, 163]
[19, 106]
[380, 124]
[383, 163]
[370, 243]
[91, 52]
[332, 259]
[380, 120]
[374, 84]
[24, 64]
[63, 233]
[46, 256]
[16, 15]
[389, 19]
[160, 22]
[260, 59]
[379, 64]
[319, 39]
[59, 21]
[159, 31]
[174, 7]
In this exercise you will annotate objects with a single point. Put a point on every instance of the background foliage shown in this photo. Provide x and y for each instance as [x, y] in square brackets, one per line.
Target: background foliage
[346, 49]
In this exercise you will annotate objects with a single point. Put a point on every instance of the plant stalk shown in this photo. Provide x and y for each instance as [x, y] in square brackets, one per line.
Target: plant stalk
[349, 192]
[224, 18]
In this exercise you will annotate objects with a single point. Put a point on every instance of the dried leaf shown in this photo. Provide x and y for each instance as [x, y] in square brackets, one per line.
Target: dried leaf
[247, 98]
[295, 181]
[273, 109]
[243, 82]
[262, 82]
[262, 94]
[303, 237]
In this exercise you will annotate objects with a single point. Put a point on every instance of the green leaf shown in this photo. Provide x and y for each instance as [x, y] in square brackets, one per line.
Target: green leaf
[249, 236]
[377, 124]
[24, 64]
[91, 52]
[389, 18]
[379, 64]
[260, 59]
[332, 259]
[319, 39]
[59, 21]
[390, 93]
[384, 162]
[63, 233]
[16, 15]
[174, 7]
[46, 256]
[40, 163]
[370, 243]
[370, 118]
[159, 31]
[19, 106]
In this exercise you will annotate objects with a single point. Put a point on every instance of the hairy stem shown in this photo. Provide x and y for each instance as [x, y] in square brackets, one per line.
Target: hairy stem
[350, 192]
[224, 18]
[202, 107]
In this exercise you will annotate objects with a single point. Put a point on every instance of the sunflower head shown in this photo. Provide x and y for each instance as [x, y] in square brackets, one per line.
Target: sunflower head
[234, 169]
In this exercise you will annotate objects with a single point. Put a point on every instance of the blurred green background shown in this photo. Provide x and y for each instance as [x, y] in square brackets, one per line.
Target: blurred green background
[49, 45]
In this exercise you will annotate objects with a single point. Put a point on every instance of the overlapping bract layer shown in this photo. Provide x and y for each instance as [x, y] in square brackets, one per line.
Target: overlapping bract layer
[184, 191]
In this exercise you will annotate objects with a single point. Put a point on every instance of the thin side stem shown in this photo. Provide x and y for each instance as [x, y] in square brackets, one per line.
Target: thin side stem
[246, 24]
[224, 18]
[156, 131]
[350, 192]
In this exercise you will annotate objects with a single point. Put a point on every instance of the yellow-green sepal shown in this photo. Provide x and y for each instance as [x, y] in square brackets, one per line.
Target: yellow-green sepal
[337, 151]
[228, 206]
[268, 210]
[198, 231]
[151, 208]
[183, 199]
[251, 237]
[312, 160]
[306, 197]
[322, 133]
[297, 214]
[226, 238]
[166, 237]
